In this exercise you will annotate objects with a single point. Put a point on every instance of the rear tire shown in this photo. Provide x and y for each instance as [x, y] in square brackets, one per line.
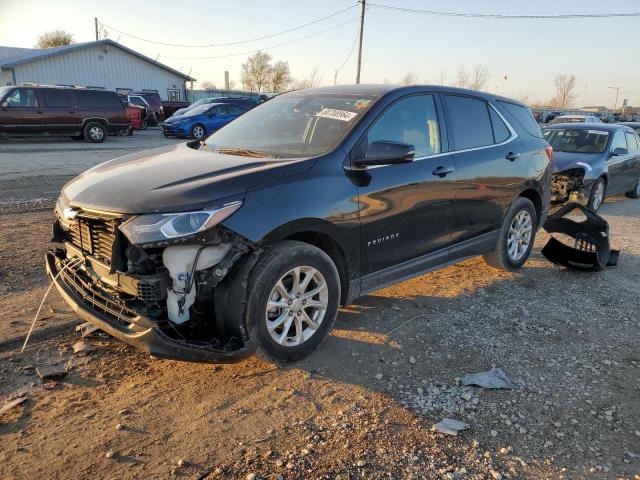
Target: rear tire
[635, 193]
[597, 195]
[515, 238]
[95, 132]
[294, 293]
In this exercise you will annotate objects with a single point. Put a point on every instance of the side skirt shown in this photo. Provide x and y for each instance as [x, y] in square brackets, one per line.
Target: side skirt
[423, 264]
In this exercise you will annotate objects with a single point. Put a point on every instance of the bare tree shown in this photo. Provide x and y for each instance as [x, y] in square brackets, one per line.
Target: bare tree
[280, 76]
[54, 38]
[207, 85]
[410, 79]
[479, 77]
[313, 79]
[564, 88]
[462, 79]
[256, 71]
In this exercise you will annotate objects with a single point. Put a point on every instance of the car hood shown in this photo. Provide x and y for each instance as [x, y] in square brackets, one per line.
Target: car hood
[173, 179]
[566, 160]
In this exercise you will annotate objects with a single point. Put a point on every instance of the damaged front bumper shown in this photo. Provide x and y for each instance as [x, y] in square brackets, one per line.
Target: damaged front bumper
[79, 290]
[570, 187]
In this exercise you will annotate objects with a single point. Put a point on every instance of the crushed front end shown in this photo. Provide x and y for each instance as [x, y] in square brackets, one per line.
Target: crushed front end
[161, 296]
[570, 186]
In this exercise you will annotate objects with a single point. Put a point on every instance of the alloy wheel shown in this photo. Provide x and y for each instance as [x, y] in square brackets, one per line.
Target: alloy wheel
[519, 236]
[198, 132]
[296, 306]
[96, 133]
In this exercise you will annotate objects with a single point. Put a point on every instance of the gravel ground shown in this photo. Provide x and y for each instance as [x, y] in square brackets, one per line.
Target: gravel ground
[364, 404]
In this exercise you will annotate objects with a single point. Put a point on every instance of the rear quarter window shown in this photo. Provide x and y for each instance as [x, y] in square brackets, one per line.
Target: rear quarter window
[522, 116]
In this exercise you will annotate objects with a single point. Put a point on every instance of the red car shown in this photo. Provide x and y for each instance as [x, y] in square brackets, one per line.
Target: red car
[137, 116]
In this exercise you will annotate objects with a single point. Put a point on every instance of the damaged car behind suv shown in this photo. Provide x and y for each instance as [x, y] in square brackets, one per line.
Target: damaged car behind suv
[592, 162]
[251, 239]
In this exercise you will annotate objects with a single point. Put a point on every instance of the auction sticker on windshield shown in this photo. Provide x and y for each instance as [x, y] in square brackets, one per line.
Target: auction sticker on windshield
[334, 114]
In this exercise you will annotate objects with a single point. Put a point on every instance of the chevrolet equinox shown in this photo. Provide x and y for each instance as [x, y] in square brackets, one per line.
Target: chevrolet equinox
[250, 239]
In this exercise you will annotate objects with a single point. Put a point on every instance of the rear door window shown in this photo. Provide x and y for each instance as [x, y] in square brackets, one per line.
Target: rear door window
[236, 110]
[411, 120]
[97, 99]
[22, 98]
[55, 99]
[470, 123]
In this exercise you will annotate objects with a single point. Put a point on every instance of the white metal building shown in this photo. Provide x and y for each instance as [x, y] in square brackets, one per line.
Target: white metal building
[105, 64]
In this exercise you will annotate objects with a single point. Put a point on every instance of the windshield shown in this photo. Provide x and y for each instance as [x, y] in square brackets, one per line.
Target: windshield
[576, 140]
[295, 124]
[197, 110]
[3, 91]
[202, 101]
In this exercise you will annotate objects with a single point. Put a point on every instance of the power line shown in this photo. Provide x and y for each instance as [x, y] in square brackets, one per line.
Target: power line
[236, 42]
[249, 52]
[353, 46]
[503, 16]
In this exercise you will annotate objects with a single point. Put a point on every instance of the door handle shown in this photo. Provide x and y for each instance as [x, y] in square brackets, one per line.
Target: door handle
[512, 156]
[443, 171]
[39, 112]
[72, 111]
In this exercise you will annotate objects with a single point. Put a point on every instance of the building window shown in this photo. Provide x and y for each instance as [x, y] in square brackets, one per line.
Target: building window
[173, 94]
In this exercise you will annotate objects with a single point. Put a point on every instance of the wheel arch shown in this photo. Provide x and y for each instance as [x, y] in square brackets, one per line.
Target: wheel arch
[104, 121]
[323, 235]
[533, 195]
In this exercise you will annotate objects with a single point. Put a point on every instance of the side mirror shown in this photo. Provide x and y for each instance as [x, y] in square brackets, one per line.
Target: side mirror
[5, 104]
[620, 151]
[387, 153]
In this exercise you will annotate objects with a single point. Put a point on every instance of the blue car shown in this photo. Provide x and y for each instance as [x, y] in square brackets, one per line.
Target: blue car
[201, 121]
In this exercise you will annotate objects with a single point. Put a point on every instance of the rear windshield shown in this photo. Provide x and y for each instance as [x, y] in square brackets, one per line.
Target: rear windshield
[97, 99]
[576, 140]
[523, 116]
[295, 124]
[568, 120]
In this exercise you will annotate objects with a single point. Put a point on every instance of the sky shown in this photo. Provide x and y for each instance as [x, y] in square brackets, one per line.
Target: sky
[600, 52]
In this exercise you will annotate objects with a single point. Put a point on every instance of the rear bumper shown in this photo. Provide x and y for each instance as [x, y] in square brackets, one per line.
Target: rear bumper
[141, 332]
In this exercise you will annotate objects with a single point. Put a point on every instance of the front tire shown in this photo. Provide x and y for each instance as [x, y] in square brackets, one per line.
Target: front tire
[95, 132]
[635, 193]
[516, 237]
[597, 195]
[197, 131]
[293, 300]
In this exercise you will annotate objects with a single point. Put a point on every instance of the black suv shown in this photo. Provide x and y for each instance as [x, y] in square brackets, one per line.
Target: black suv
[207, 251]
[78, 112]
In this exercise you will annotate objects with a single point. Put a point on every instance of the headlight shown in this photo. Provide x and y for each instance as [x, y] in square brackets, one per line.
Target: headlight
[179, 122]
[159, 227]
[61, 205]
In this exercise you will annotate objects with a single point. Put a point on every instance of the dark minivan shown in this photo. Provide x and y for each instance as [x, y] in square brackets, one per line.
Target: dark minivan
[251, 238]
[77, 112]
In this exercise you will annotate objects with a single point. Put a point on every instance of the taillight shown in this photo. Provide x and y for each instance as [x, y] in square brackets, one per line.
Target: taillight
[549, 151]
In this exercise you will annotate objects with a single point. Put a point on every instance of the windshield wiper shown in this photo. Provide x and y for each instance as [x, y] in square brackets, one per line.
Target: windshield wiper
[246, 152]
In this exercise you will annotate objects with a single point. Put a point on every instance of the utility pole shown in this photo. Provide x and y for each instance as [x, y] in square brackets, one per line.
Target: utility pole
[617, 89]
[363, 4]
[95, 23]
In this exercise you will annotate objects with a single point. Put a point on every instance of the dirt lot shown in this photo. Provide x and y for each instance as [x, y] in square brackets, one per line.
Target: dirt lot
[364, 404]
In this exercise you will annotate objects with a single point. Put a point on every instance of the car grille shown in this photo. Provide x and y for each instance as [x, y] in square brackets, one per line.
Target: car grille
[94, 236]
